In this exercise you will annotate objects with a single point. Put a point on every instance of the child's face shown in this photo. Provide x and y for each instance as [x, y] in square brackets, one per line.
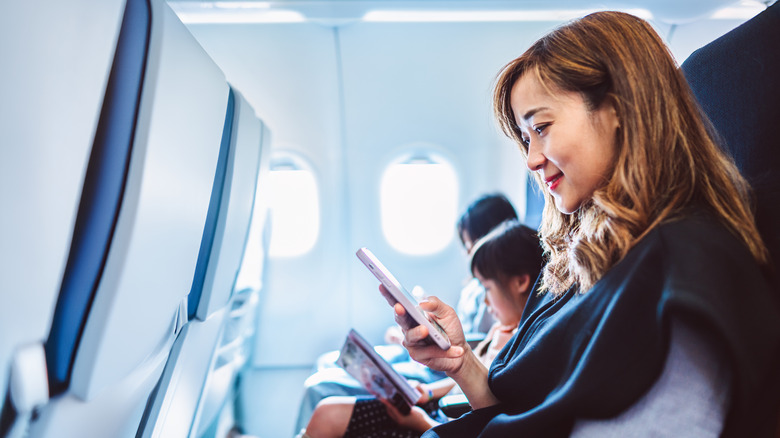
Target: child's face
[503, 301]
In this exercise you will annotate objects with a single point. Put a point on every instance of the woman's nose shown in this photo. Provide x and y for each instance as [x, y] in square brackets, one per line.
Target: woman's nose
[535, 159]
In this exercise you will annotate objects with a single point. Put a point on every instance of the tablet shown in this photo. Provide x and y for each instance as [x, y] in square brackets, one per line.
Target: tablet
[363, 363]
[414, 315]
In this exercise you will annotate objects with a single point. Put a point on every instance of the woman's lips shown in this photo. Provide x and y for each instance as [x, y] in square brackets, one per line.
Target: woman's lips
[553, 181]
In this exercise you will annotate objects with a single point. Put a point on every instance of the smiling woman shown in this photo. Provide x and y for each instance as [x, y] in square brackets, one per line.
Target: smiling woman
[653, 251]
[359, 123]
[629, 80]
[570, 146]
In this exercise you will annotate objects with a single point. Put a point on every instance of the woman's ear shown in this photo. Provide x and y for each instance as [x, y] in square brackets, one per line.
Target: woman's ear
[614, 118]
[609, 114]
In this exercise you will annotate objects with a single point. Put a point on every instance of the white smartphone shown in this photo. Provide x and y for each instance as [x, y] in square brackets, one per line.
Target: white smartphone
[414, 315]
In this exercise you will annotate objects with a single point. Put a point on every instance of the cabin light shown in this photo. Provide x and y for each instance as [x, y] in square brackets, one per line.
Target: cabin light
[233, 13]
[429, 16]
[238, 5]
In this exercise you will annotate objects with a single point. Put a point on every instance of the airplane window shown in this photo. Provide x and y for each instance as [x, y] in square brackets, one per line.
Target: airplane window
[294, 206]
[419, 204]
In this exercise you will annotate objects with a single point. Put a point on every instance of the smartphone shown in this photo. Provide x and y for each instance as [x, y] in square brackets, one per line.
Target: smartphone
[414, 315]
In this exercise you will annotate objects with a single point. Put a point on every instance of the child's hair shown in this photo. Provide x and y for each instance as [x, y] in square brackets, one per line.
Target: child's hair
[510, 249]
[666, 157]
[483, 214]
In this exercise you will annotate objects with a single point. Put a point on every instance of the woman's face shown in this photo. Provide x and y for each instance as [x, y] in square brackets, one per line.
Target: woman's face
[499, 300]
[570, 147]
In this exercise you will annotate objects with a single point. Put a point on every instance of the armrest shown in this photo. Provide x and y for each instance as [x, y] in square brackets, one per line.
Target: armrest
[474, 338]
[454, 405]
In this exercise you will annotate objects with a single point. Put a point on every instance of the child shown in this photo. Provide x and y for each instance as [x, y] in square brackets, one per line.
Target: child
[506, 262]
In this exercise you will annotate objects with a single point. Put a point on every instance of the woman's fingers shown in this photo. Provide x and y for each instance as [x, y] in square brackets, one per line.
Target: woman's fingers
[416, 339]
[417, 334]
[399, 310]
[385, 293]
[433, 305]
[424, 352]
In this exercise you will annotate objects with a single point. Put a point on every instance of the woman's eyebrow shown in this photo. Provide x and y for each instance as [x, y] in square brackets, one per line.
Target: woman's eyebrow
[530, 113]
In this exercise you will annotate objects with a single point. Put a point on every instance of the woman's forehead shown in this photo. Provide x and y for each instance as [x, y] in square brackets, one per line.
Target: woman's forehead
[530, 97]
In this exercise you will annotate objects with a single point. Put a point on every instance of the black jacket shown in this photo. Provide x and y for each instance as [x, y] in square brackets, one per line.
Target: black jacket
[592, 355]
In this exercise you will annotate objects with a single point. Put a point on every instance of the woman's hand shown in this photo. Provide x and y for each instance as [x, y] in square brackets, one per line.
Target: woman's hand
[450, 360]
[459, 362]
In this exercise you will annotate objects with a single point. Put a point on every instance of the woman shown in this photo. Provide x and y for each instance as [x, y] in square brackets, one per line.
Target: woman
[654, 303]
[506, 262]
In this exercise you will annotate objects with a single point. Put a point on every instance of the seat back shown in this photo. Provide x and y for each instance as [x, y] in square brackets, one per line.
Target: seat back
[235, 341]
[59, 136]
[102, 195]
[211, 291]
[172, 410]
[734, 79]
[108, 355]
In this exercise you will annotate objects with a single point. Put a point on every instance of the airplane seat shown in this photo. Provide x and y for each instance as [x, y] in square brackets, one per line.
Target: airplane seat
[240, 186]
[199, 351]
[216, 411]
[735, 80]
[111, 334]
[60, 135]
[235, 344]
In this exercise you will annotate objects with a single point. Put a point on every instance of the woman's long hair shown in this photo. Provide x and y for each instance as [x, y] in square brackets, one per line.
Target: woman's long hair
[666, 157]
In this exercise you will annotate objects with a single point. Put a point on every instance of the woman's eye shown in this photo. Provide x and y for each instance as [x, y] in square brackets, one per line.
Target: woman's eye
[540, 128]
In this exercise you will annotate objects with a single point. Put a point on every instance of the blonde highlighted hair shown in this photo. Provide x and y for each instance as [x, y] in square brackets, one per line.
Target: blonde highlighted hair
[667, 157]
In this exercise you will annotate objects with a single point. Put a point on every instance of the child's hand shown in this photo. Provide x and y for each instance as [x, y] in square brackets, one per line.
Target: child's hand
[423, 389]
[416, 420]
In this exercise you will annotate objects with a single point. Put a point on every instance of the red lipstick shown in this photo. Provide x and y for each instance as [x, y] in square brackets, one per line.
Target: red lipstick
[553, 181]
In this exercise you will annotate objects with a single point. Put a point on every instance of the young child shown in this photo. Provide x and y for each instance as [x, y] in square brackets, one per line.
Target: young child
[506, 262]
[480, 216]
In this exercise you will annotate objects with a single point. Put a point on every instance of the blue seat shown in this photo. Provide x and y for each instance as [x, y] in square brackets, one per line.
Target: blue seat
[108, 344]
[250, 141]
[735, 80]
[182, 398]
[247, 212]
[67, 123]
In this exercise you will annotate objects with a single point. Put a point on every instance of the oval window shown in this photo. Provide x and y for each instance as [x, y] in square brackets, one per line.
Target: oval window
[294, 207]
[419, 204]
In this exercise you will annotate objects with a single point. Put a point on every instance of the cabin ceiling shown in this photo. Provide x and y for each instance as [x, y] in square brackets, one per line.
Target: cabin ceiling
[341, 12]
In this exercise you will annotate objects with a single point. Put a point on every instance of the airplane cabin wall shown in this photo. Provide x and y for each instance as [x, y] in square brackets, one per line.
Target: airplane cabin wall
[350, 99]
